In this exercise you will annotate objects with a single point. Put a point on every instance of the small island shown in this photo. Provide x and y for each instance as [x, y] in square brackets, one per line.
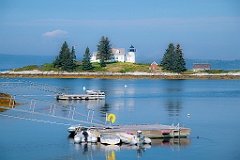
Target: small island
[117, 70]
[113, 63]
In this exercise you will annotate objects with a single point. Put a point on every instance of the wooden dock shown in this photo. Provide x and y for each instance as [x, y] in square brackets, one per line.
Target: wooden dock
[153, 131]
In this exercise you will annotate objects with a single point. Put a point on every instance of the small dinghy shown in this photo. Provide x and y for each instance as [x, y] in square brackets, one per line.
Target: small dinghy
[85, 137]
[110, 139]
[129, 138]
[72, 129]
[142, 139]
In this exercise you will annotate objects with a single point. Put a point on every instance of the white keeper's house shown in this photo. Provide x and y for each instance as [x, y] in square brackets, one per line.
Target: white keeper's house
[119, 55]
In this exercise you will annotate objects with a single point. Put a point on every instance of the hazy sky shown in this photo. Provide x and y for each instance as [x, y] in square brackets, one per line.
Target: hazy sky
[205, 29]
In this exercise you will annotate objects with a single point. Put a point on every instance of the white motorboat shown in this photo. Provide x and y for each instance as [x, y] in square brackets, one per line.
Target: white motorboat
[85, 136]
[72, 129]
[110, 139]
[96, 93]
[90, 95]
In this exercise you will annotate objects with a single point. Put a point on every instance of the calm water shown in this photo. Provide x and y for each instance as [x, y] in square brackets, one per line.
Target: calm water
[214, 106]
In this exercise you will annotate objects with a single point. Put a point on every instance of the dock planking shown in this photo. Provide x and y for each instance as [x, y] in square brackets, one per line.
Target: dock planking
[153, 131]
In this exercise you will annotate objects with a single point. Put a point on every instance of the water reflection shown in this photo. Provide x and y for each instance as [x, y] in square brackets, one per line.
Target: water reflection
[173, 107]
[173, 103]
[171, 142]
[88, 149]
[89, 104]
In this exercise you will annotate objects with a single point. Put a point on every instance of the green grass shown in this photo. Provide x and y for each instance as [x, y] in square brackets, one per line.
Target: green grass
[114, 67]
[216, 71]
[27, 68]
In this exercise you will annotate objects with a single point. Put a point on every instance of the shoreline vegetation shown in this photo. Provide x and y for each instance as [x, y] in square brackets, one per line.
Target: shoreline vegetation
[117, 75]
[116, 70]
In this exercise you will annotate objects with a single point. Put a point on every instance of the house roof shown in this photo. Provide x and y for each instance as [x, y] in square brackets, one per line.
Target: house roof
[201, 65]
[154, 63]
[118, 50]
[95, 53]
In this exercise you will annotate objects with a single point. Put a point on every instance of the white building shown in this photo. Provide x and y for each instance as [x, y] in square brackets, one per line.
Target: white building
[119, 55]
[94, 57]
[130, 56]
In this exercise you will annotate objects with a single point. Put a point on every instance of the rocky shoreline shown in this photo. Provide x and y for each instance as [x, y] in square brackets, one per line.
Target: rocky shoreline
[107, 75]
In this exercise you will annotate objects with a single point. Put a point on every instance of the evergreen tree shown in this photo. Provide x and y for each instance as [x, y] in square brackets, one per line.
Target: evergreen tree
[168, 58]
[73, 55]
[102, 62]
[66, 59]
[86, 61]
[173, 59]
[104, 51]
[57, 63]
[179, 63]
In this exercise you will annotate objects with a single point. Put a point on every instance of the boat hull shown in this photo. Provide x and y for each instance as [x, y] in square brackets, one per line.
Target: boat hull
[85, 137]
[128, 138]
[72, 129]
[109, 139]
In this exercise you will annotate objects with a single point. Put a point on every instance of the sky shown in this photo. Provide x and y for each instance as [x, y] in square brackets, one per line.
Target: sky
[205, 29]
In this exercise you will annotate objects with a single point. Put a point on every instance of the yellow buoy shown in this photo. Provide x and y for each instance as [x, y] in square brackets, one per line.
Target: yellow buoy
[111, 117]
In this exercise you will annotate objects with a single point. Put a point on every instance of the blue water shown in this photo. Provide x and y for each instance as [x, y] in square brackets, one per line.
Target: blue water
[9, 62]
[213, 105]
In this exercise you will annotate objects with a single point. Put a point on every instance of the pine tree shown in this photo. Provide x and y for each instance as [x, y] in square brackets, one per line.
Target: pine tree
[73, 55]
[108, 49]
[168, 58]
[86, 61]
[57, 63]
[102, 62]
[173, 59]
[65, 60]
[179, 63]
[104, 51]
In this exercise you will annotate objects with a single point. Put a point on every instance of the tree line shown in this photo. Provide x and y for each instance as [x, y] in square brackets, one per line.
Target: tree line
[172, 59]
[66, 60]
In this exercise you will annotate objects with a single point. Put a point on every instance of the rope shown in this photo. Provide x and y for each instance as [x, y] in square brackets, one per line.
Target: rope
[58, 117]
[35, 120]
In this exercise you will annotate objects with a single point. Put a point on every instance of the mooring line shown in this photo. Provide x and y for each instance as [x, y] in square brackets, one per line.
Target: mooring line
[54, 116]
[35, 120]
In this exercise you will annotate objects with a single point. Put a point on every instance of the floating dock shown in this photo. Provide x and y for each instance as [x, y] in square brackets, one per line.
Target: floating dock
[153, 131]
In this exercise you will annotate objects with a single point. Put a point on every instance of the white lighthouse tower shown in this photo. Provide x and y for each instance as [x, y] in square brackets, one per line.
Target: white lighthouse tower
[130, 57]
